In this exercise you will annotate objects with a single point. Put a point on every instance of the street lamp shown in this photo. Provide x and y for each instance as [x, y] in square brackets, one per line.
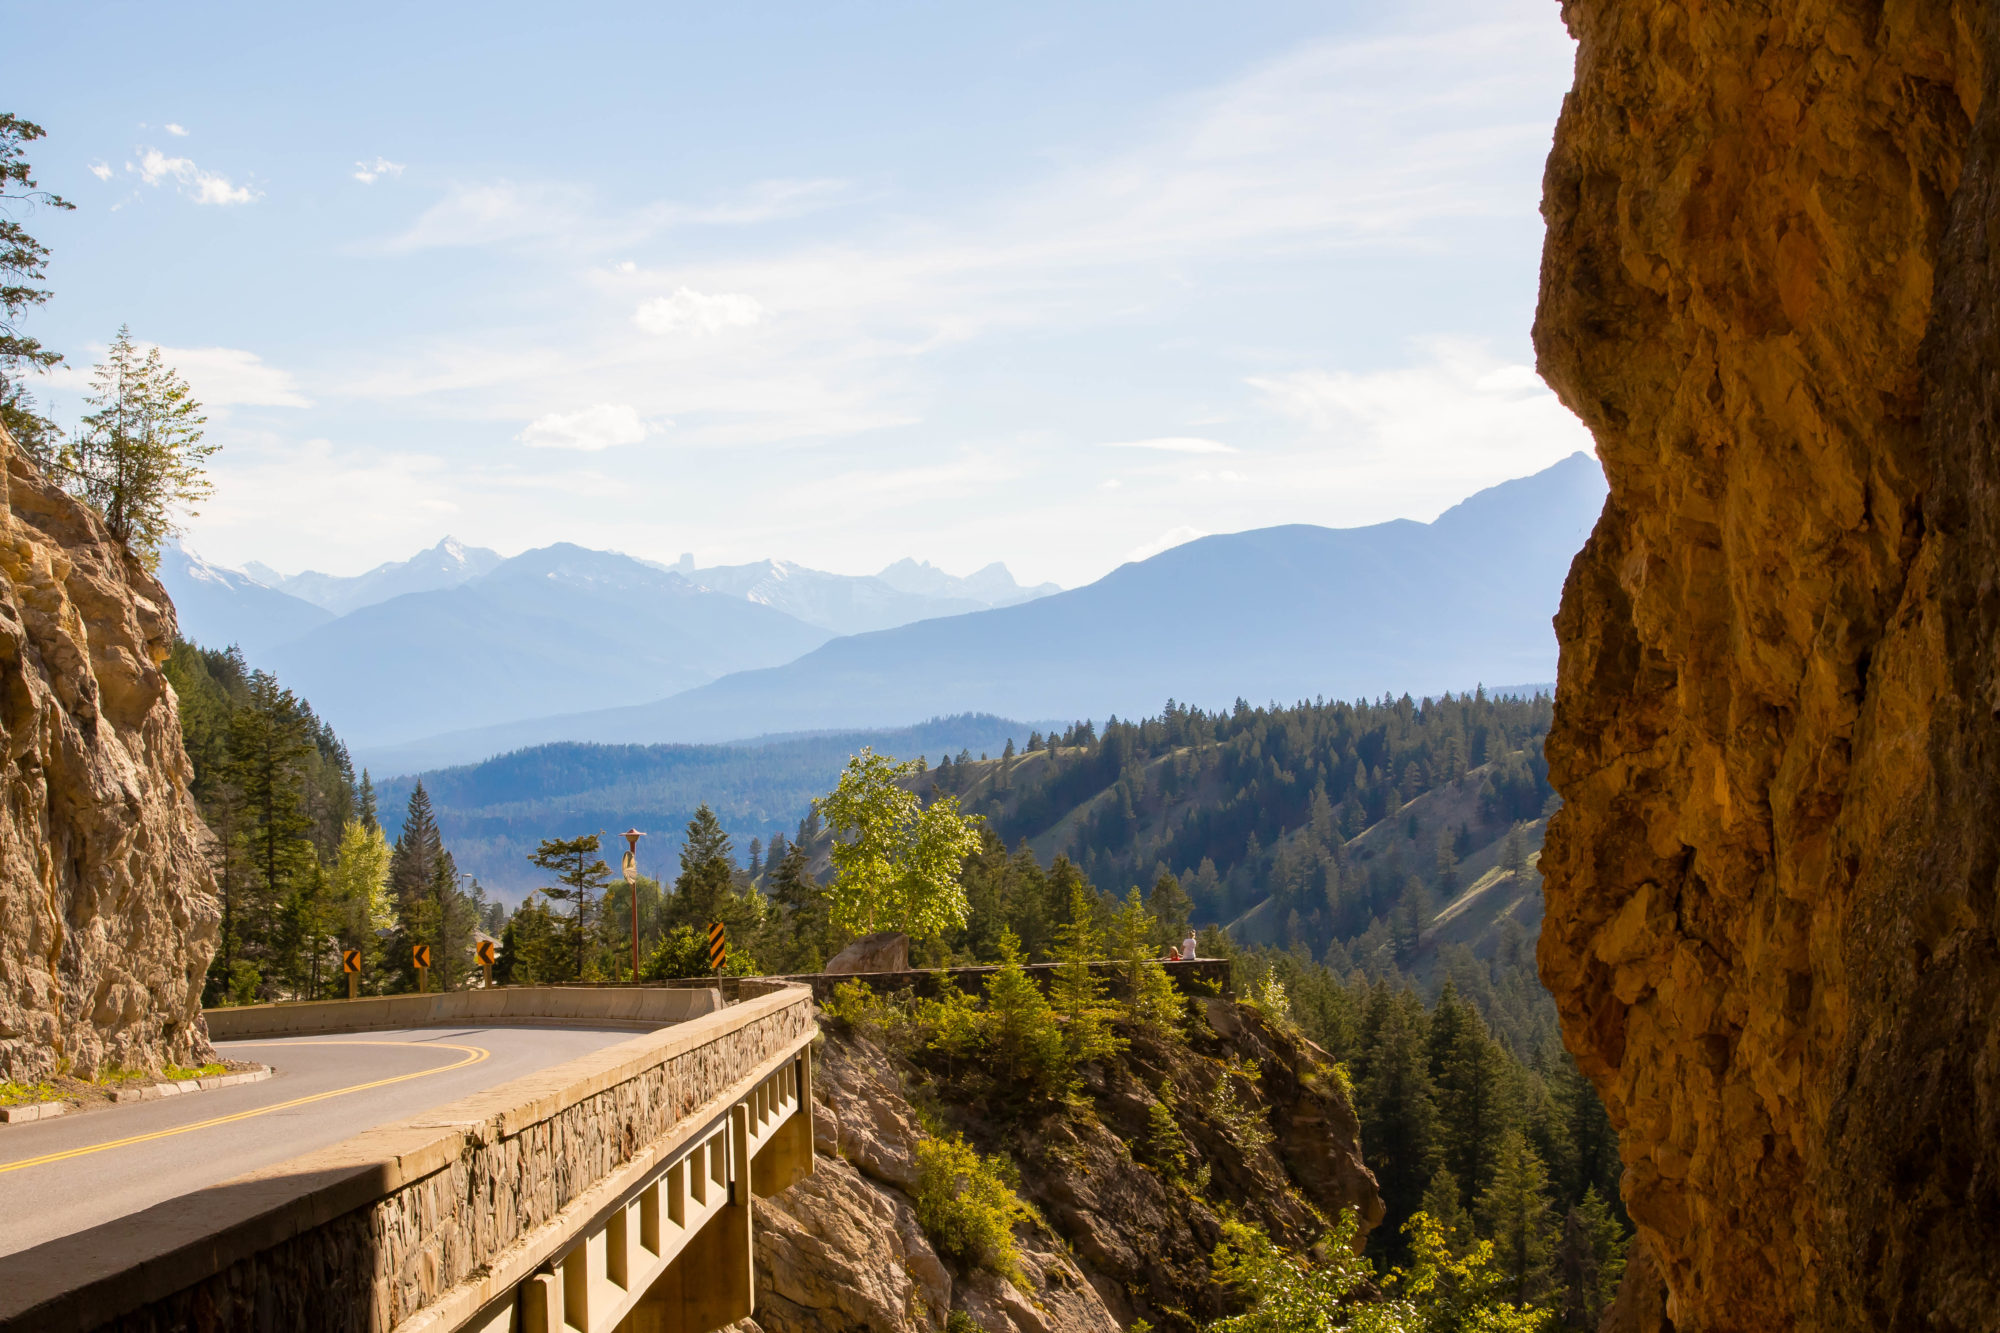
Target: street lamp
[631, 868]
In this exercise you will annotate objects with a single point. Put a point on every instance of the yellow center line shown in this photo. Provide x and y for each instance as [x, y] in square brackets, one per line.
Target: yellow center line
[473, 1055]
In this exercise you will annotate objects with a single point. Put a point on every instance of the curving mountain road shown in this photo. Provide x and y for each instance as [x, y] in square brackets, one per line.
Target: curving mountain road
[69, 1174]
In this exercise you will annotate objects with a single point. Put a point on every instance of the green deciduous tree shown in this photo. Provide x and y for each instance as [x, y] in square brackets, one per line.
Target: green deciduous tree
[139, 457]
[357, 890]
[896, 860]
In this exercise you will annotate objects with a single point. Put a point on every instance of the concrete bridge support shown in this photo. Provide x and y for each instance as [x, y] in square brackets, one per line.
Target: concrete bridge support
[675, 1255]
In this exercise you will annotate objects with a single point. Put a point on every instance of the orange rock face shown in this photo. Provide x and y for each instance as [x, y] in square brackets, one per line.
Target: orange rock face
[107, 909]
[1769, 290]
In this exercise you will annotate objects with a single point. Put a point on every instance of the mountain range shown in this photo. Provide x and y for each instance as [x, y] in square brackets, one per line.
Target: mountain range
[1280, 613]
[459, 636]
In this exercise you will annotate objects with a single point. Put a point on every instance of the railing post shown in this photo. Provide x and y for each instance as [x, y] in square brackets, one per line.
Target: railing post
[788, 1157]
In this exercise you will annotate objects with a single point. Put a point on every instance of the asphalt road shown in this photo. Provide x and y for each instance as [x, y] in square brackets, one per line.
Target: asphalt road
[69, 1174]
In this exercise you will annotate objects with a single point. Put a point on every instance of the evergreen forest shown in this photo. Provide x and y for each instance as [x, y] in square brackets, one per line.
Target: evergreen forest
[1342, 820]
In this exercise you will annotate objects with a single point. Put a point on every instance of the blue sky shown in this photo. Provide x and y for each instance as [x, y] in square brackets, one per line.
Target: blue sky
[1051, 284]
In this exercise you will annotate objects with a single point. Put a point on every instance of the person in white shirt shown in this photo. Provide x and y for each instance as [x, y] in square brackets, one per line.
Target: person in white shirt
[1187, 947]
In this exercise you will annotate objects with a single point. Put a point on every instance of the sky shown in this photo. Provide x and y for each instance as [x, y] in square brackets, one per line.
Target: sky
[1059, 285]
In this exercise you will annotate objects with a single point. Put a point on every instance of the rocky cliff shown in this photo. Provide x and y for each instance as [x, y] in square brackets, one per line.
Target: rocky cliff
[1770, 291]
[1114, 1238]
[107, 918]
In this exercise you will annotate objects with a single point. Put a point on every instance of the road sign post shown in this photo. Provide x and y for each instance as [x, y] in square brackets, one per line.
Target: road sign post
[420, 958]
[350, 963]
[487, 954]
[718, 946]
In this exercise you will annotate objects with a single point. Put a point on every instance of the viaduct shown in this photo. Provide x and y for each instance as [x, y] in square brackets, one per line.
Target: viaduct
[609, 1193]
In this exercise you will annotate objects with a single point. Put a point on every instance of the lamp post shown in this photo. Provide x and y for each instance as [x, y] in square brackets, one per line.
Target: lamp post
[631, 868]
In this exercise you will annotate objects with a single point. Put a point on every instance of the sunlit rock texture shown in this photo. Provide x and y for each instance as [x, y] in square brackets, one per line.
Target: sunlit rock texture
[107, 912]
[1769, 289]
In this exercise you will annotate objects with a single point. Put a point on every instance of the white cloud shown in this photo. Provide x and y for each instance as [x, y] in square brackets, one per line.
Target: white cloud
[226, 376]
[1461, 411]
[204, 187]
[691, 311]
[591, 429]
[101, 170]
[1175, 444]
[1166, 541]
[174, 129]
[369, 172]
[219, 376]
[505, 212]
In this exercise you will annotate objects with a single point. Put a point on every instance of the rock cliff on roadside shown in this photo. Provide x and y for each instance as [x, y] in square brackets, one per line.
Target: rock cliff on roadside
[107, 915]
[1116, 1240]
[1770, 290]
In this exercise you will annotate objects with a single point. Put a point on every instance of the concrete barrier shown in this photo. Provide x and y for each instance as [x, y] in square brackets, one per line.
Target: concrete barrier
[437, 1221]
[641, 1008]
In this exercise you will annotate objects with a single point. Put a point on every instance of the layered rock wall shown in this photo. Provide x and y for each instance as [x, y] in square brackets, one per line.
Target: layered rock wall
[107, 914]
[1769, 290]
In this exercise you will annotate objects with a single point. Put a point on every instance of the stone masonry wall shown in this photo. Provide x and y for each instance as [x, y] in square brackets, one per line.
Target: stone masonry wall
[375, 1266]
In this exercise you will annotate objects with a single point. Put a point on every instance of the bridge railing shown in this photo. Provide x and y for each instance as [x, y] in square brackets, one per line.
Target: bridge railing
[468, 1215]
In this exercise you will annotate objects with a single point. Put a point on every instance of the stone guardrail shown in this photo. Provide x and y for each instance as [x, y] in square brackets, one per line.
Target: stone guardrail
[638, 1007]
[1196, 976]
[434, 1222]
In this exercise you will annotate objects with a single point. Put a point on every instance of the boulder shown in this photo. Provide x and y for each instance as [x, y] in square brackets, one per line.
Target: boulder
[886, 951]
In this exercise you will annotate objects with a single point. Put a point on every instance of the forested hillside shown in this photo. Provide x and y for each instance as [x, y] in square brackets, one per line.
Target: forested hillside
[1317, 826]
[493, 813]
[301, 862]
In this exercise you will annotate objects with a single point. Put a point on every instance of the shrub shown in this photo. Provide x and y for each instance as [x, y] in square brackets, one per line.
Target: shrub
[966, 1207]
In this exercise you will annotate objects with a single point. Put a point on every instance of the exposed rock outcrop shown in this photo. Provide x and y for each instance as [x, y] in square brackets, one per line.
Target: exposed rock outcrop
[107, 915]
[1117, 1240]
[1770, 291]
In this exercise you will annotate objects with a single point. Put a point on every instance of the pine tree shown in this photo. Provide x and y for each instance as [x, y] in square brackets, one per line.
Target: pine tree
[368, 814]
[139, 457]
[268, 742]
[1515, 857]
[1075, 993]
[708, 872]
[1514, 1213]
[1589, 1261]
[1170, 907]
[1447, 867]
[1022, 1034]
[800, 915]
[1465, 1068]
[580, 874]
[1399, 1129]
[23, 261]
[1442, 1200]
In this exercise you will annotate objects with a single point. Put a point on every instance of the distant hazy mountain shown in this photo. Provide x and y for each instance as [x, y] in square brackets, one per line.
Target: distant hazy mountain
[855, 604]
[558, 625]
[445, 565]
[1278, 613]
[493, 813]
[991, 586]
[218, 607]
